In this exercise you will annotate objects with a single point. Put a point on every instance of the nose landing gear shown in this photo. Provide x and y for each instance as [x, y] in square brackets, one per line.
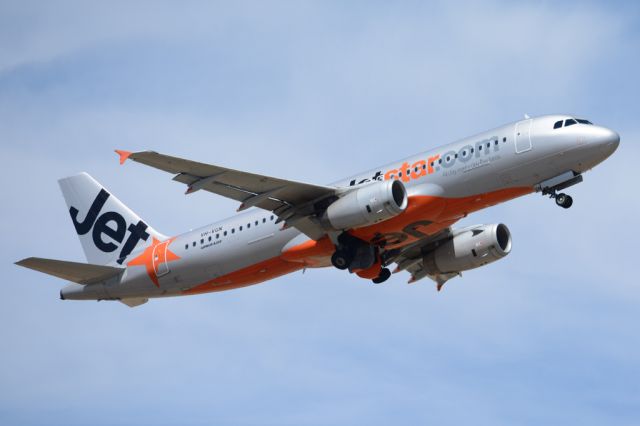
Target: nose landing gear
[563, 200]
[551, 187]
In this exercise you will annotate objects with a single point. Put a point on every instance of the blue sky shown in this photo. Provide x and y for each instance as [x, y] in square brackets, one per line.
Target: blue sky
[314, 91]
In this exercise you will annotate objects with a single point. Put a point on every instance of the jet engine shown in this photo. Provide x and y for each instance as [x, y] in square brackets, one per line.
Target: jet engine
[470, 248]
[365, 206]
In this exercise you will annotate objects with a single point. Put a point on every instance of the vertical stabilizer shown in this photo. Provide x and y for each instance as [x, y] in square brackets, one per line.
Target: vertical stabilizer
[108, 230]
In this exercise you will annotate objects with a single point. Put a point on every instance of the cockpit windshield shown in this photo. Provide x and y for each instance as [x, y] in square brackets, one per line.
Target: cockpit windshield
[582, 121]
[570, 122]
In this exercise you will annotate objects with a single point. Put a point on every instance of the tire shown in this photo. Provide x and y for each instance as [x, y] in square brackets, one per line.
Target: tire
[561, 199]
[340, 260]
[385, 273]
[568, 202]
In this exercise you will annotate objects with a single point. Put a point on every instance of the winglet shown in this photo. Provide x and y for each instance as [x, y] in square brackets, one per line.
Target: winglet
[124, 155]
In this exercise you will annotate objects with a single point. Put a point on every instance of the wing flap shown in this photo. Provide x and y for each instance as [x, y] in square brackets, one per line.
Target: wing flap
[81, 273]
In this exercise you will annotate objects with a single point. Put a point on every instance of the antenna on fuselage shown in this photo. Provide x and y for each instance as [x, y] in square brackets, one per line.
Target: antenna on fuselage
[526, 116]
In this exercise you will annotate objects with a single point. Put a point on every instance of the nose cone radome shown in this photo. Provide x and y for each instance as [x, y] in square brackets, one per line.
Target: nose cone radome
[605, 139]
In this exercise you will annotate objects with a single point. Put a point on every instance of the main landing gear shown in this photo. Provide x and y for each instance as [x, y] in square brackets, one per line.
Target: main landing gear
[360, 257]
[341, 259]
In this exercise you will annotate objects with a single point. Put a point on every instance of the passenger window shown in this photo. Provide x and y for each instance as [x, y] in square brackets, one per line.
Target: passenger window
[488, 144]
[504, 139]
[569, 122]
[557, 124]
[233, 230]
[209, 238]
[240, 228]
[217, 236]
[201, 240]
[256, 223]
[248, 225]
[225, 233]
[264, 220]
[271, 217]
[186, 246]
[194, 243]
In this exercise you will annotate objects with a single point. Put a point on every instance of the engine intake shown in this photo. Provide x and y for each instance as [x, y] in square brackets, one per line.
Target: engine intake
[366, 206]
[471, 248]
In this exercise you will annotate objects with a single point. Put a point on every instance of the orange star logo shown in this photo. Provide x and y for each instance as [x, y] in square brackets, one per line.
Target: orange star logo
[154, 258]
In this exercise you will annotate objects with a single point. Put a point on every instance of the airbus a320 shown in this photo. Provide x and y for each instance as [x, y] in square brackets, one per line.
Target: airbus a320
[398, 214]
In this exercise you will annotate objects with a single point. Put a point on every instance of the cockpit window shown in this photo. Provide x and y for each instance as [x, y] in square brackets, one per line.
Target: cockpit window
[571, 122]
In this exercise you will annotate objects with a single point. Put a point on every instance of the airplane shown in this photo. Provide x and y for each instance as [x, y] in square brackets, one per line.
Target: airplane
[400, 213]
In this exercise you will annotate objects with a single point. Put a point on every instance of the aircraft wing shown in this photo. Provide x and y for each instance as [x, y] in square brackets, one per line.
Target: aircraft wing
[293, 202]
[411, 258]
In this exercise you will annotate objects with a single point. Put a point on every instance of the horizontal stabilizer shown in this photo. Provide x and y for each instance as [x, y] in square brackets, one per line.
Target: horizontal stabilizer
[81, 273]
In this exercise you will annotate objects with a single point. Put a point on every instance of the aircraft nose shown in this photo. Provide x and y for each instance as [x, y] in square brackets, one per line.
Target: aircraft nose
[605, 139]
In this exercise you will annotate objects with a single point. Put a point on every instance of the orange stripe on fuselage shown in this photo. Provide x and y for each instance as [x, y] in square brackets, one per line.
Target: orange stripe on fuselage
[253, 274]
[425, 215]
[311, 253]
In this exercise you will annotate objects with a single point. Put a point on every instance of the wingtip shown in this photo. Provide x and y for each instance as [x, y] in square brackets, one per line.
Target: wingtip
[124, 155]
[23, 262]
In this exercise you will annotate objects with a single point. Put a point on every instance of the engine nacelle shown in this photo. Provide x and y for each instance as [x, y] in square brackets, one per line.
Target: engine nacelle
[471, 248]
[366, 206]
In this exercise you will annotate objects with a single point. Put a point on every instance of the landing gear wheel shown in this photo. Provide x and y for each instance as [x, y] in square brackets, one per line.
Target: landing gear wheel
[385, 273]
[563, 200]
[341, 259]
